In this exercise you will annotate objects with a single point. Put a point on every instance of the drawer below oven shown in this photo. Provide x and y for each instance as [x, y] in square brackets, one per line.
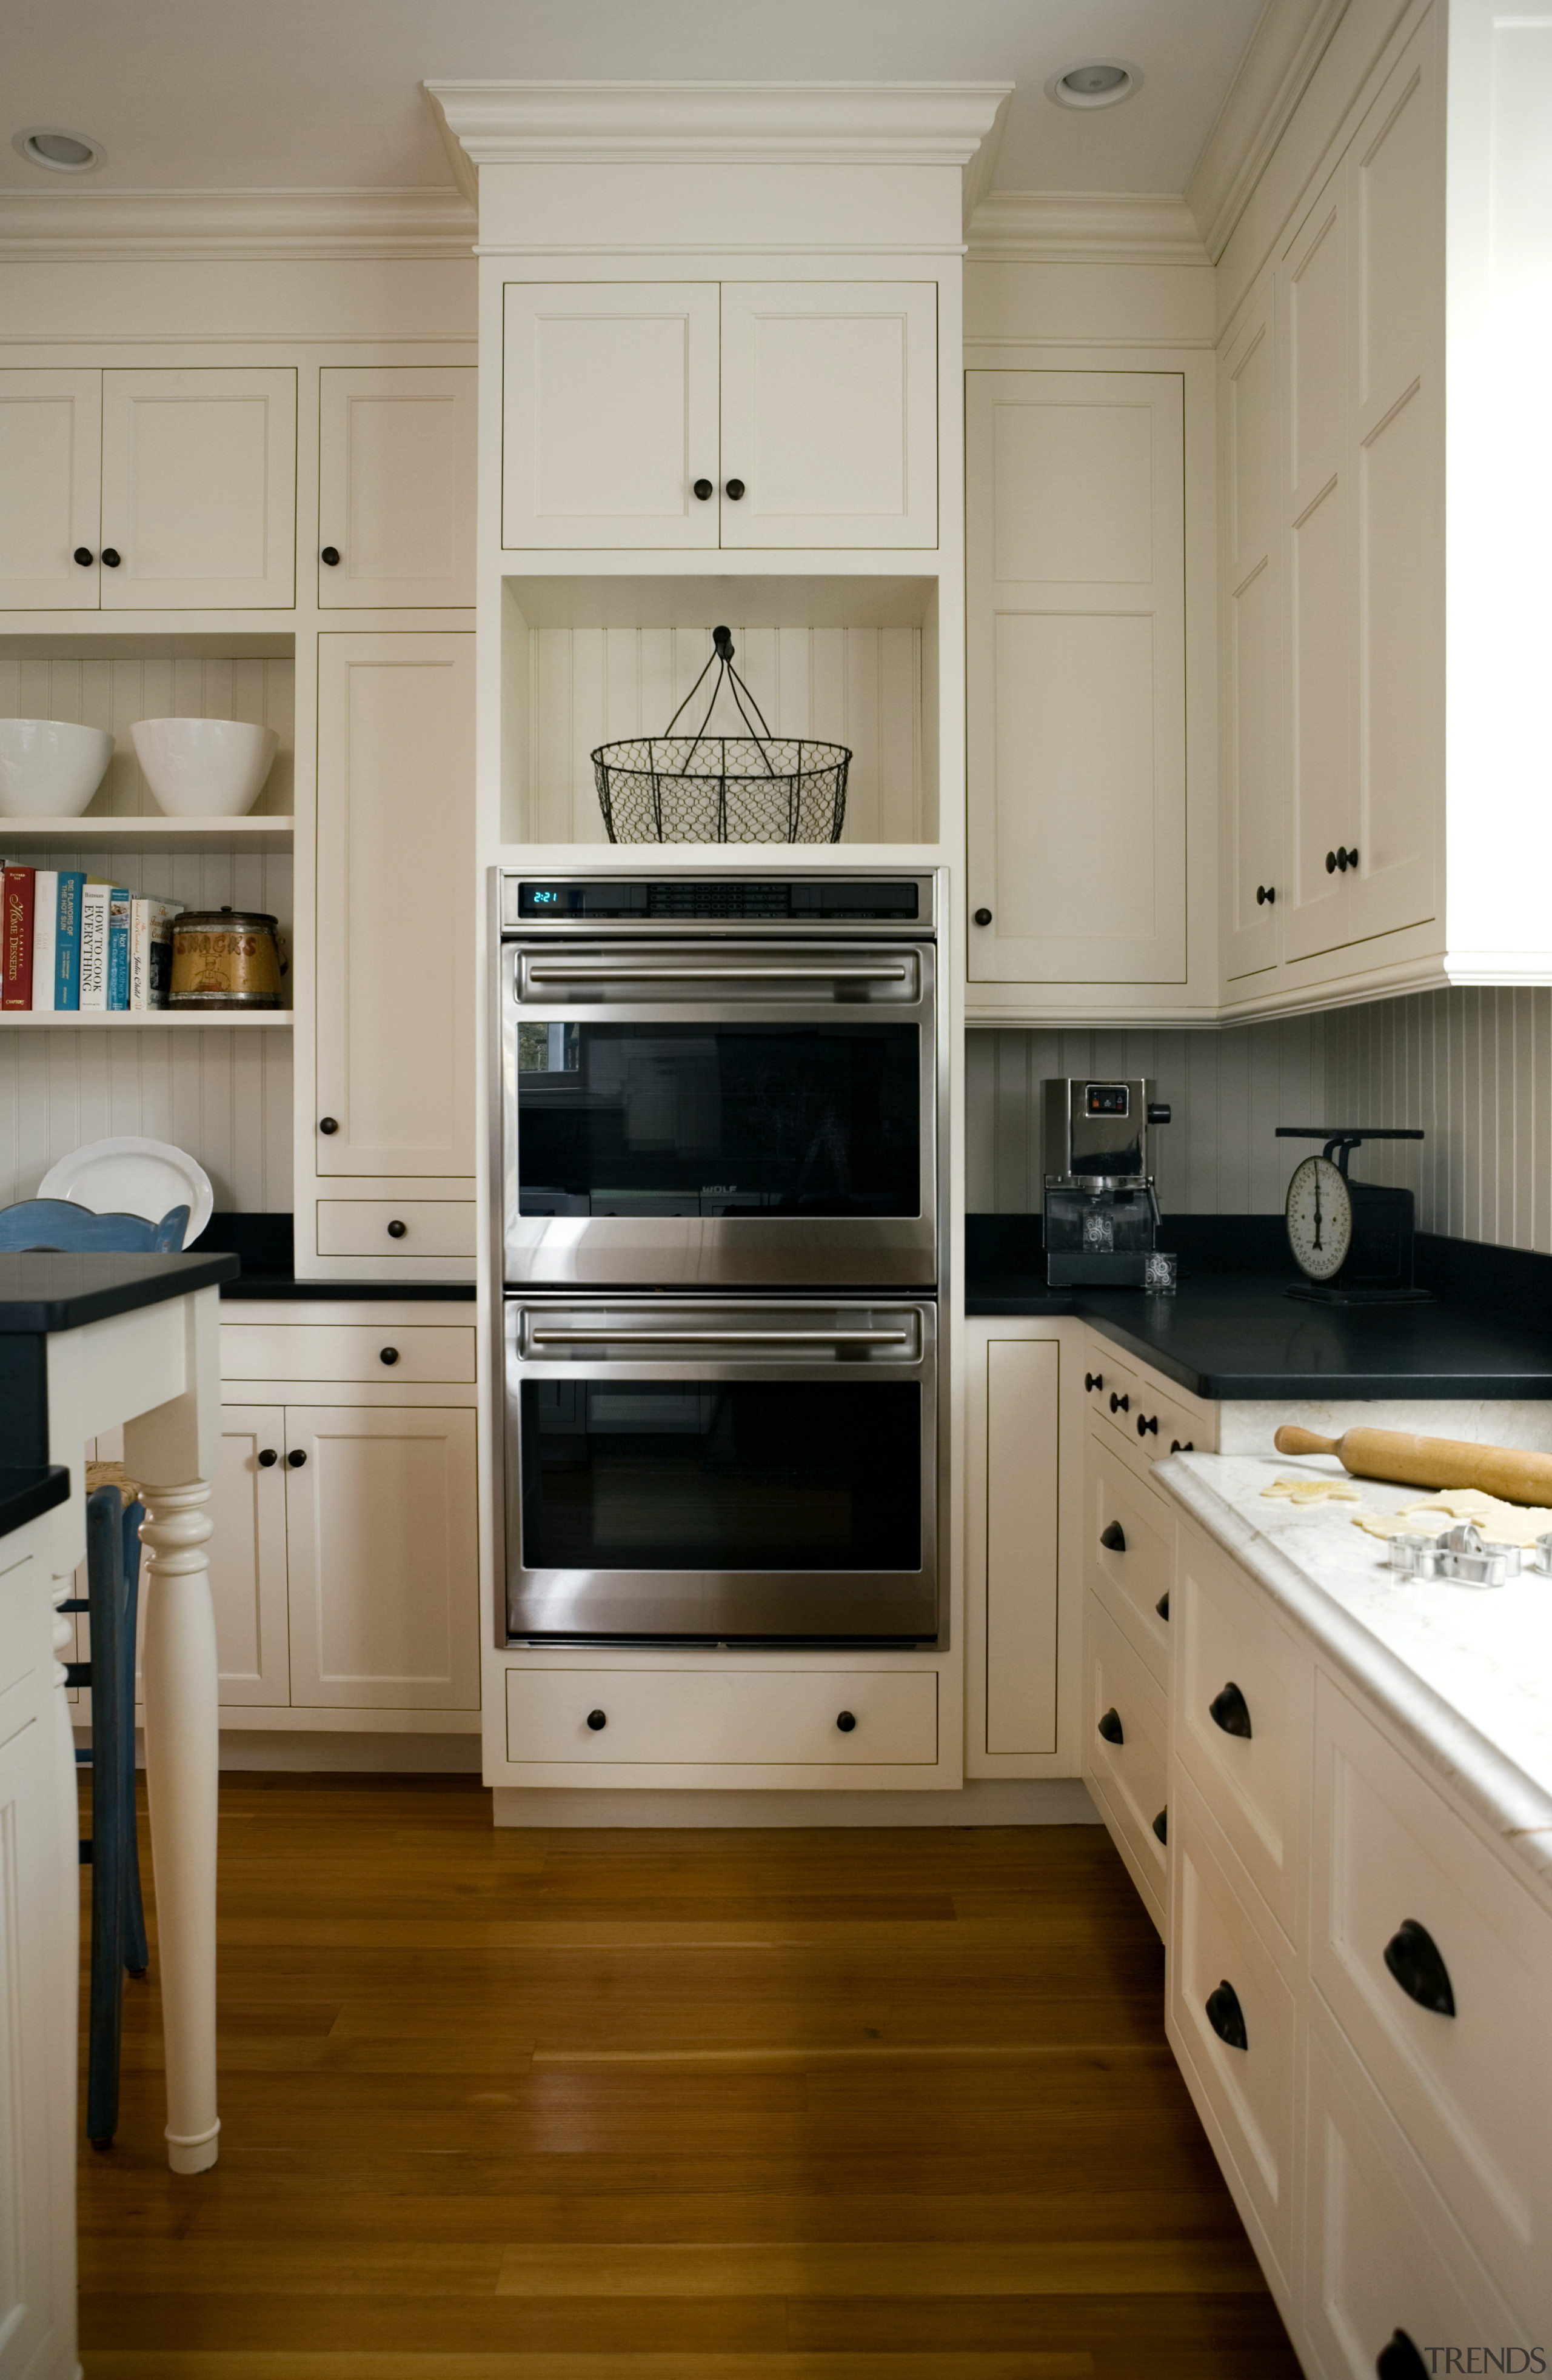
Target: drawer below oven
[602, 1718]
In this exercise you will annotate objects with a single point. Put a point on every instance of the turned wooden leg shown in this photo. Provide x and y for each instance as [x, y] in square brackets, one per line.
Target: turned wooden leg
[181, 1765]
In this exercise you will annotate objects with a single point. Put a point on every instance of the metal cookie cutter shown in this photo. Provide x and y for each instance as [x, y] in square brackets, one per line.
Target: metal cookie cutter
[1463, 1555]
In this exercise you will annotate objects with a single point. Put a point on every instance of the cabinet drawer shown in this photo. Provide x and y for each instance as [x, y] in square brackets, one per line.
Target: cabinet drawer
[1129, 1778]
[1381, 2253]
[1164, 1421]
[364, 1227]
[1135, 1576]
[1471, 2090]
[1237, 1668]
[346, 1352]
[1110, 1388]
[730, 1718]
[1246, 2095]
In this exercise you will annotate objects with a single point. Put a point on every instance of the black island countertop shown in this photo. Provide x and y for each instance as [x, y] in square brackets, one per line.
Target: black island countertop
[1229, 1331]
[42, 1291]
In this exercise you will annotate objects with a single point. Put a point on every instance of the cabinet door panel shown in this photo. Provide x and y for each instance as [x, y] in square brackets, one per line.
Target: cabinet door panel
[1252, 546]
[395, 891]
[395, 493]
[200, 490]
[380, 1535]
[1077, 651]
[51, 448]
[36, 2278]
[247, 1556]
[609, 414]
[1021, 1546]
[830, 413]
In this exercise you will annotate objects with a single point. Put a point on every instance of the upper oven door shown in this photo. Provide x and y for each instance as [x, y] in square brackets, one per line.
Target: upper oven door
[710, 1113]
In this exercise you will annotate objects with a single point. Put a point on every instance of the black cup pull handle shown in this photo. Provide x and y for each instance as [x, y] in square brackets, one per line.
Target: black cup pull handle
[267, 1457]
[1400, 2360]
[845, 1721]
[1229, 1710]
[596, 1719]
[735, 490]
[331, 555]
[1093, 1380]
[1413, 1956]
[1120, 1405]
[1161, 1826]
[112, 557]
[84, 555]
[1113, 1539]
[1111, 1727]
[297, 1457]
[1162, 1605]
[1227, 2016]
[704, 490]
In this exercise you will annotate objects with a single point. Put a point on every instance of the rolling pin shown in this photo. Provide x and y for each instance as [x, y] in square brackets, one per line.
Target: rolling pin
[1507, 1472]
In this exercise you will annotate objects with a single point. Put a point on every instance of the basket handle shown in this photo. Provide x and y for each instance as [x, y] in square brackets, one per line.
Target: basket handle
[722, 653]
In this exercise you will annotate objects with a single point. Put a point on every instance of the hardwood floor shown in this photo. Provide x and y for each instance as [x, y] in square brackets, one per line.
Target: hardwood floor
[817, 2105]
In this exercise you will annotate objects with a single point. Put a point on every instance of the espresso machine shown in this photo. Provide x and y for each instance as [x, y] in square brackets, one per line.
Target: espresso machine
[1101, 1213]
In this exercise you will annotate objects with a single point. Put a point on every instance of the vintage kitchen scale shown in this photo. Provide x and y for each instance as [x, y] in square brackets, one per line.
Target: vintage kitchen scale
[1353, 1240]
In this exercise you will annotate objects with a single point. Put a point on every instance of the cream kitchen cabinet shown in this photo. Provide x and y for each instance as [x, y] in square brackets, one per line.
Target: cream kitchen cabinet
[1076, 630]
[395, 891]
[180, 489]
[396, 486]
[1021, 1654]
[699, 414]
[248, 1558]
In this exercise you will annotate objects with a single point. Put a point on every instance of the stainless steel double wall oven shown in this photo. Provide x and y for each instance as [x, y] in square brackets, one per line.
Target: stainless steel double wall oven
[720, 1106]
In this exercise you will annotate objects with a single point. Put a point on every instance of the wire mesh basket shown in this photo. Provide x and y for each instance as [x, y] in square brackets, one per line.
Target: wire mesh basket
[701, 788]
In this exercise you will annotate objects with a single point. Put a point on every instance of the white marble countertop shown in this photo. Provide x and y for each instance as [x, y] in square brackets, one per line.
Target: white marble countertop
[1464, 1673]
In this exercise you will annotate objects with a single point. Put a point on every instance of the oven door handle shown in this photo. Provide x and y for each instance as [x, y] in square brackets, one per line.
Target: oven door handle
[601, 1336]
[612, 971]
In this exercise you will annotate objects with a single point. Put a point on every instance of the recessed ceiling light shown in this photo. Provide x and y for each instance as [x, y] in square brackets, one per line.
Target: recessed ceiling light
[56, 150]
[1096, 82]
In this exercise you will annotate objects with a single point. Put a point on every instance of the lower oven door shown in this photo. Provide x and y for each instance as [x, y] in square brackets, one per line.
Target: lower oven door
[722, 1473]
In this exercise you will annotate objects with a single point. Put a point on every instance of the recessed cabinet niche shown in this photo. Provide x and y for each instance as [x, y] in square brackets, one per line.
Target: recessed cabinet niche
[148, 491]
[396, 486]
[702, 415]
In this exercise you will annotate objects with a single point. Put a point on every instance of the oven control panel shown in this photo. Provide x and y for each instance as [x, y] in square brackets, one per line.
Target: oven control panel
[904, 902]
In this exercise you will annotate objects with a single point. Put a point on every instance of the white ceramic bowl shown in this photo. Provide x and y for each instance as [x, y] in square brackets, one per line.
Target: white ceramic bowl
[50, 768]
[204, 768]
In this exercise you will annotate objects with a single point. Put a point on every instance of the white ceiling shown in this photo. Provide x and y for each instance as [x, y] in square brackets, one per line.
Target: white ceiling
[264, 94]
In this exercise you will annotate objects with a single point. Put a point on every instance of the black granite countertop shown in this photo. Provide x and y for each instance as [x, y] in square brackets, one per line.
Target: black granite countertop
[1231, 1331]
[28, 1490]
[265, 1246]
[41, 1293]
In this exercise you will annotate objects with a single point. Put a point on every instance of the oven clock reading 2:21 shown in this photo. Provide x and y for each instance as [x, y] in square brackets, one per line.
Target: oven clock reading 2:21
[1319, 1217]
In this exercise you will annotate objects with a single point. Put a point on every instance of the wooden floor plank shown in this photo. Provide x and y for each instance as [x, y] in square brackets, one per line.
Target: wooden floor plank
[871, 2104]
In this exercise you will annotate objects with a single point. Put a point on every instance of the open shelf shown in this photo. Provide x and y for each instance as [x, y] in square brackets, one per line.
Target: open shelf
[149, 831]
[127, 1020]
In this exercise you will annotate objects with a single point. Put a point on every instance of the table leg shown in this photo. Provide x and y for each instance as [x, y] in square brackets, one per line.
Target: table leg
[181, 1745]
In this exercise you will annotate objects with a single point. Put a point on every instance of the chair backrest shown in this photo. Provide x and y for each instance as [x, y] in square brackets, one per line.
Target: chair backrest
[49, 1224]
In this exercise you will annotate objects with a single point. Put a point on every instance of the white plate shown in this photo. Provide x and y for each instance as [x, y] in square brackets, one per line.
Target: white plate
[131, 1176]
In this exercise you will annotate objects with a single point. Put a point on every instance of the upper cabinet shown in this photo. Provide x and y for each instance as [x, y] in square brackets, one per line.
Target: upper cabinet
[396, 486]
[699, 414]
[1076, 628]
[148, 491]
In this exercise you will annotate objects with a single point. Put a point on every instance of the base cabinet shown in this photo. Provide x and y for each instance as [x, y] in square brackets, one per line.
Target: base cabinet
[1021, 1581]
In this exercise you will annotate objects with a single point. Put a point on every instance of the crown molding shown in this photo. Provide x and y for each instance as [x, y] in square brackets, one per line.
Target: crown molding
[1286, 48]
[190, 225]
[1085, 227]
[736, 123]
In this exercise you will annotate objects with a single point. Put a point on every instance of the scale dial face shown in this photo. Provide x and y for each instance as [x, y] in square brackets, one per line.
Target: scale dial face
[1319, 1217]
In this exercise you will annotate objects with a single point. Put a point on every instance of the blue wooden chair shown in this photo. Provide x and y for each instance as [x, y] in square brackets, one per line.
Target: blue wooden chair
[119, 1935]
[53, 1225]
[111, 1602]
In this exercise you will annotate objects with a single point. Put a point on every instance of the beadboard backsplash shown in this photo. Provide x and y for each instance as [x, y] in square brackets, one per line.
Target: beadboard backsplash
[225, 1097]
[1226, 1091]
[1474, 1068]
[860, 687]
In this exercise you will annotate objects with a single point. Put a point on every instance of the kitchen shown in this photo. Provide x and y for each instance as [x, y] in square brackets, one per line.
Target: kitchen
[647, 1418]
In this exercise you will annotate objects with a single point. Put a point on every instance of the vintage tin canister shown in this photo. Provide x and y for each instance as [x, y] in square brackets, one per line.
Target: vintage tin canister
[225, 958]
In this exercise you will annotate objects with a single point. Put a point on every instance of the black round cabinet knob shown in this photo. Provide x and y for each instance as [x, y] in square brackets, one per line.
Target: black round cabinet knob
[983, 917]
[83, 555]
[267, 1456]
[328, 1124]
[705, 490]
[1119, 1403]
[845, 1721]
[387, 1354]
[1146, 1422]
[331, 555]
[1265, 894]
[111, 557]
[1093, 1380]
[396, 1229]
[596, 1719]
[735, 490]
[297, 1457]
[1331, 862]
[1352, 857]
